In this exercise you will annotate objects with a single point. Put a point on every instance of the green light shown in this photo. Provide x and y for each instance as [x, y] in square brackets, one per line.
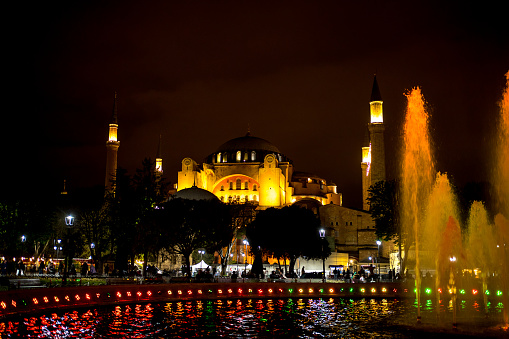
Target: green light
[351, 289]
[428, 290]
[462, 291]
[290, 290]
[499, 293]
[415, 290]
[321, 290]
[487, 292]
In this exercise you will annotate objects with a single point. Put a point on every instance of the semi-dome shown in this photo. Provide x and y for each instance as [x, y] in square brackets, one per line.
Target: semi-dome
[195, 193]
[245, 149]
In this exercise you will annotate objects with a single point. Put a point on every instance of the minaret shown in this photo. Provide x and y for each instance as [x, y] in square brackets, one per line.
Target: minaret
[159, 159]
[111, 151]
[373, 157]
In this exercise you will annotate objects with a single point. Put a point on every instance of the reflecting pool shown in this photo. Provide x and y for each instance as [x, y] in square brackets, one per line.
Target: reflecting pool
[258, 318]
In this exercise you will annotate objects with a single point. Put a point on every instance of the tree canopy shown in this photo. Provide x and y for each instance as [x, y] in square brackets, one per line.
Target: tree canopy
[289, 233]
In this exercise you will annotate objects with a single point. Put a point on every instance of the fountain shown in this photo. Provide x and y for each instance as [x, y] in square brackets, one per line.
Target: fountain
[430, 218]
[417, 173]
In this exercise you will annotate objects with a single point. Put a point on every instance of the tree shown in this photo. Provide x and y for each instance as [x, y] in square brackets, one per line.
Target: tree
[382, 198]
[132, 209]
[287, 233]
[383, 202]
[187, 225]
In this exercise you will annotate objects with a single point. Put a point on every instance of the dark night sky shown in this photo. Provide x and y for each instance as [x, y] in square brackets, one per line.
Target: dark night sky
[299, 73]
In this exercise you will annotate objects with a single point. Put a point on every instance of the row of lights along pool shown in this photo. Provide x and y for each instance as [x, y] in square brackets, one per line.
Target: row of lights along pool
[56, 298]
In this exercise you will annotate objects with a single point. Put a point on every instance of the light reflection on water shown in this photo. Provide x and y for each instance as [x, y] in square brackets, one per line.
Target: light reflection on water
[243, 318]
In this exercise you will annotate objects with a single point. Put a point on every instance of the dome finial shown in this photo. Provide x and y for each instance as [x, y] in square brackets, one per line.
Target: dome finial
[248, 130]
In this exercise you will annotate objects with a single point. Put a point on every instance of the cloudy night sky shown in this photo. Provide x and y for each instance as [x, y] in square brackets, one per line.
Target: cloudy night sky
[297, 73]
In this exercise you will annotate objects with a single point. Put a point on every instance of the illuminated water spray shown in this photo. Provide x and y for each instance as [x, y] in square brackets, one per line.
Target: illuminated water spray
[417, 176]
[502, 185]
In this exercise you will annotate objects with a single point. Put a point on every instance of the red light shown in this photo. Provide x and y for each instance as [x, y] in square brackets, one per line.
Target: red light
[139, 293]
[128, 294]
[169, 292]
[301, 290]
[98, 295]
[77, 297]
[220, 291]
[87, 296]
[270, 290]
[310, 290]
[240, 290]
[230, 290]
[260, 290]
[474, 292]
[13, 303]
[395, 290]
[281, 290]
[180, 292]
[119, 294]
[405, 290]
[56, 299]
[200, 292]
[35, 301]
[331, 290]
[149, 293]
[3, 304]
[439, 290]
[189, 292]
[45, 299]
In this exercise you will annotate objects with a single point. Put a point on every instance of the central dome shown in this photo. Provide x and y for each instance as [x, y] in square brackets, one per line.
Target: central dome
[246, 143]
[245, 149]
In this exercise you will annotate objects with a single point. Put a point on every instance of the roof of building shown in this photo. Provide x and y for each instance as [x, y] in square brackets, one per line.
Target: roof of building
[195, 193]
[375, 92]
[247, 143]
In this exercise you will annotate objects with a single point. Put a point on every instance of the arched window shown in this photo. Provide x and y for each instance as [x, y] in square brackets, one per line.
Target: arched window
[247, 198]
[218, 157]
[246, 185]
[239, 156]
[225, 157]
[238, 184]
[254, 187]
[246, 156]
[231, 185]
[253, 156]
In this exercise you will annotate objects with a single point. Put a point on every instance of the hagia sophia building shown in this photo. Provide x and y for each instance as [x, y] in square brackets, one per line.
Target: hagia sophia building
[249, 169]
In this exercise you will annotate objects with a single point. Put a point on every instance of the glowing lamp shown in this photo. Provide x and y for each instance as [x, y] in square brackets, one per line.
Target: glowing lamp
[67, 298]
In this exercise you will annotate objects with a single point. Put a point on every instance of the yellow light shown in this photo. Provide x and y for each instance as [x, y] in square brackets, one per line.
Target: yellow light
[376, 110]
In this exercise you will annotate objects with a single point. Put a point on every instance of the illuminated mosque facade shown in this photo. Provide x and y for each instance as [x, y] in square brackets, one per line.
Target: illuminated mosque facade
[249, 169]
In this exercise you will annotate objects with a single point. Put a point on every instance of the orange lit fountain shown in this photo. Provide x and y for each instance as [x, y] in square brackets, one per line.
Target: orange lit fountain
[430, 218]
[417, 176]
[502, 185]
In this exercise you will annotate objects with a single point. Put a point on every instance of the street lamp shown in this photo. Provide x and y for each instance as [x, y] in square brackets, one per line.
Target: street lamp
[69, 222]
[202, 252]
[378, 243]
[322, 236]
[245, 256]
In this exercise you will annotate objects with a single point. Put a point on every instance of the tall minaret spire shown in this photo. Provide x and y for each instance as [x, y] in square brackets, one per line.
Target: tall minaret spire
[159, 159]
[111, 150]
[373, 156]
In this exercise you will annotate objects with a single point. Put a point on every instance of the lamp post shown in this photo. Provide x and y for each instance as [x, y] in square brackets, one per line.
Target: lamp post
[69, 222]
[245, 255]
[378, 243]
[322, 236]
[202, 252]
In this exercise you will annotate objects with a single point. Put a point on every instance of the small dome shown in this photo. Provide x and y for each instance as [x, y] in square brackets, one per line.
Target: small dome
[195, 193]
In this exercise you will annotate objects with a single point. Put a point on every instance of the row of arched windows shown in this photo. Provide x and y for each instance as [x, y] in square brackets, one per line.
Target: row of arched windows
[238, 198]
[239, 156]
[238, 185]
